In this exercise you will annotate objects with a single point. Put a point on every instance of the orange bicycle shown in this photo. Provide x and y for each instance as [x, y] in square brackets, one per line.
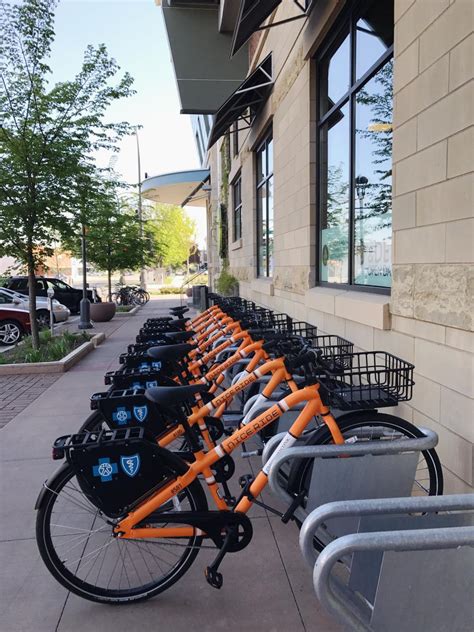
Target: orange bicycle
[124, 518]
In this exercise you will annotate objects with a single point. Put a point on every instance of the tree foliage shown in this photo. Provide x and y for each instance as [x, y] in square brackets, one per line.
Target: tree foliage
[175, 232]
[47, 133]
[114, 239]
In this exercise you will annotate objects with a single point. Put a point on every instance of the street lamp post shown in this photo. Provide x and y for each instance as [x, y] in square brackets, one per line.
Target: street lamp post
[140, 209]
[85, 306]
[361, 183]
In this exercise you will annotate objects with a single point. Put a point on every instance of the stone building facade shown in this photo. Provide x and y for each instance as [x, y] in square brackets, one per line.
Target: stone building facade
[404, 282]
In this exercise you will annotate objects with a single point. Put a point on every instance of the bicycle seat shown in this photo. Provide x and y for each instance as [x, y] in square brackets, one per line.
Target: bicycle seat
[179, 335]
[171, 395]
[179, 310]
[169, 352]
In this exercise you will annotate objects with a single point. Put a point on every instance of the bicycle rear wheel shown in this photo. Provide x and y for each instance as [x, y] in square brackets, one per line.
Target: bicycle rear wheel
[77, 545]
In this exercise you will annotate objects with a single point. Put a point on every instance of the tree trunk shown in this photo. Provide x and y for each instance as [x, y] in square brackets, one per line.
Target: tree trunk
[32, 299]
[109, 281]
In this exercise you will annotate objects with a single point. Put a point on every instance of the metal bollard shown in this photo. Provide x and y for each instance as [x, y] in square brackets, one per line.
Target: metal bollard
[50, 293]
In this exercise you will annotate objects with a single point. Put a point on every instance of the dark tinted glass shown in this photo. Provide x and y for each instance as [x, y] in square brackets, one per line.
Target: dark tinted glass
[335, 76]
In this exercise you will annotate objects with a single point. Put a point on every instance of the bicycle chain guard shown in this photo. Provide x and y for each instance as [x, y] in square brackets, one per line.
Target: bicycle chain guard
[215, 524]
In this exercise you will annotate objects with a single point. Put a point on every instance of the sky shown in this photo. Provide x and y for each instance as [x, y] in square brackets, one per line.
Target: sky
[134, 34]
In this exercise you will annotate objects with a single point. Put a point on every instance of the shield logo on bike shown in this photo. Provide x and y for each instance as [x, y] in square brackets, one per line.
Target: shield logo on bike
[140, 412]
[130, 464]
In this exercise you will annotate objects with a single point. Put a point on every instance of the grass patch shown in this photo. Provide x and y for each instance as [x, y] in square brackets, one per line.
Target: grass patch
[125, 308]
[51, 349]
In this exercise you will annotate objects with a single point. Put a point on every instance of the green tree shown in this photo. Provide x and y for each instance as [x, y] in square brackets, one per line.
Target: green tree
[175, 231]
[114, 241]
[47, 133]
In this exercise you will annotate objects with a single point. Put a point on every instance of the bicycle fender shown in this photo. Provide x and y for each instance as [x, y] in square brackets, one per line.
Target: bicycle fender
[44, 489]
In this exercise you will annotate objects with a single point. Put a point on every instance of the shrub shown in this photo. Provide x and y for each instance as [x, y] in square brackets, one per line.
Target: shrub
[227, 284]
[170, 290]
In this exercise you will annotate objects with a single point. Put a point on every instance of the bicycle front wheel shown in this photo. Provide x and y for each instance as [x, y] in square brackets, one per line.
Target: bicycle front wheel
[77, 544]
[373, 426]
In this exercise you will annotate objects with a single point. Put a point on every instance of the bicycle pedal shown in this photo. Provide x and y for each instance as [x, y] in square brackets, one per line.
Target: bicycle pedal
[245, 480]
[247, 455]
[214, 578]
[229, 431]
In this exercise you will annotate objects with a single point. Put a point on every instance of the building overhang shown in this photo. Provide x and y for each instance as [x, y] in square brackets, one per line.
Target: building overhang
[245, 103]
[205, 73]
[181, 188]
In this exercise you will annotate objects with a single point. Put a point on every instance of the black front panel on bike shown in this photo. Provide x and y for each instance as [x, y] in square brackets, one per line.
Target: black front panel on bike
[115, 470]
[129, 407]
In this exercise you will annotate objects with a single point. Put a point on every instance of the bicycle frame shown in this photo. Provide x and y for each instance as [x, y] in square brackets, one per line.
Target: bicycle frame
[204, 461]
[219, 403]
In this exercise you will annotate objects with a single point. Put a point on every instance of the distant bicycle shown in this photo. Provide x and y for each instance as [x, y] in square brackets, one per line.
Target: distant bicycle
[130, 295]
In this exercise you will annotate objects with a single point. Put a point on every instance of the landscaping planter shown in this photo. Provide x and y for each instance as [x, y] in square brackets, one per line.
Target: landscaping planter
[59, 366]
[102, 312]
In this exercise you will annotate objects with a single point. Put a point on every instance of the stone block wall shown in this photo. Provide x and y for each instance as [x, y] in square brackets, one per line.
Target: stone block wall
[427, 319]
[433, 224]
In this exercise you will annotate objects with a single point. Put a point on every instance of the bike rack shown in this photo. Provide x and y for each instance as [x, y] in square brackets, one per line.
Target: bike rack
[411, 563]
[386, 469]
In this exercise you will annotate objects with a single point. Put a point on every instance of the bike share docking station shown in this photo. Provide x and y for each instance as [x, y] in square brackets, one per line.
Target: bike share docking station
[406, 561]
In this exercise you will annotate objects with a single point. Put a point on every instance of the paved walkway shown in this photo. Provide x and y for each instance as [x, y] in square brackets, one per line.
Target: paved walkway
[266, 586]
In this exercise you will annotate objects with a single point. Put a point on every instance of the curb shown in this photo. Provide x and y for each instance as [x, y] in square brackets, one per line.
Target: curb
[59, 366]
[132, 312]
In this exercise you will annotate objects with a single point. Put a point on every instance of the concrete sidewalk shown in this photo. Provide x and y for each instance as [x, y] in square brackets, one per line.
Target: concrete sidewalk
[266, 586]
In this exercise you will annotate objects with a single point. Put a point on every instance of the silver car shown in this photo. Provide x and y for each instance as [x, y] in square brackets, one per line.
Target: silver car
[60, 311]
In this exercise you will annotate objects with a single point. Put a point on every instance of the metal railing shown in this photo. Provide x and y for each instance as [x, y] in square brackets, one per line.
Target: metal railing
[188, 280]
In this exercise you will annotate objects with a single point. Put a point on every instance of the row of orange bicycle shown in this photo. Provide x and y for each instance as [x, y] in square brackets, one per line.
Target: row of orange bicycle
[149, 478]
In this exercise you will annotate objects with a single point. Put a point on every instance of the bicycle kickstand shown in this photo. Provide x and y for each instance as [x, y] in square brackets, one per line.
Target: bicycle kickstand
[213, 577]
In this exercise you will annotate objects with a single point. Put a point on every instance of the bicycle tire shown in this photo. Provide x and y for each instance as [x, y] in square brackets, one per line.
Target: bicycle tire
[138, 298]
[93, 423]
[299, 475]
[85, 542]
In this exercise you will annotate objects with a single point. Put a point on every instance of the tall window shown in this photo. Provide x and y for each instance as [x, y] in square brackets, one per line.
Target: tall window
[237, 207]
[265, 208]
[355, 144]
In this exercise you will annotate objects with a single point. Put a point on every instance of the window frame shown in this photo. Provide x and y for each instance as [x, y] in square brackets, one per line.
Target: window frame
[236, 185]
[259, 184]
[346, 26]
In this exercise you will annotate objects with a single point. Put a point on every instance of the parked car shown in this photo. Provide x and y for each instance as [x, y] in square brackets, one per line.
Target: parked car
[60, 312]
[14, 324]
[64, 293]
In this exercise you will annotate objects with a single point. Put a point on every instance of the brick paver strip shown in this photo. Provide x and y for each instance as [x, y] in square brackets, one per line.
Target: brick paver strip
[19, 391]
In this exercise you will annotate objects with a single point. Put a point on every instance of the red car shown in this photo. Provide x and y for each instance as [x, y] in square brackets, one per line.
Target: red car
[14, 324]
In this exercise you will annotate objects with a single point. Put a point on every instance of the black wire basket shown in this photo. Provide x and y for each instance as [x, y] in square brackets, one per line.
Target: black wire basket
[368, 379]
[336, 352]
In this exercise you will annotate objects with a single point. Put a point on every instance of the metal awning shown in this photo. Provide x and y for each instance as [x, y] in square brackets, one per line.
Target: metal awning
[182, 188]
[245, 103]
[252, 14]
[205, 73]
